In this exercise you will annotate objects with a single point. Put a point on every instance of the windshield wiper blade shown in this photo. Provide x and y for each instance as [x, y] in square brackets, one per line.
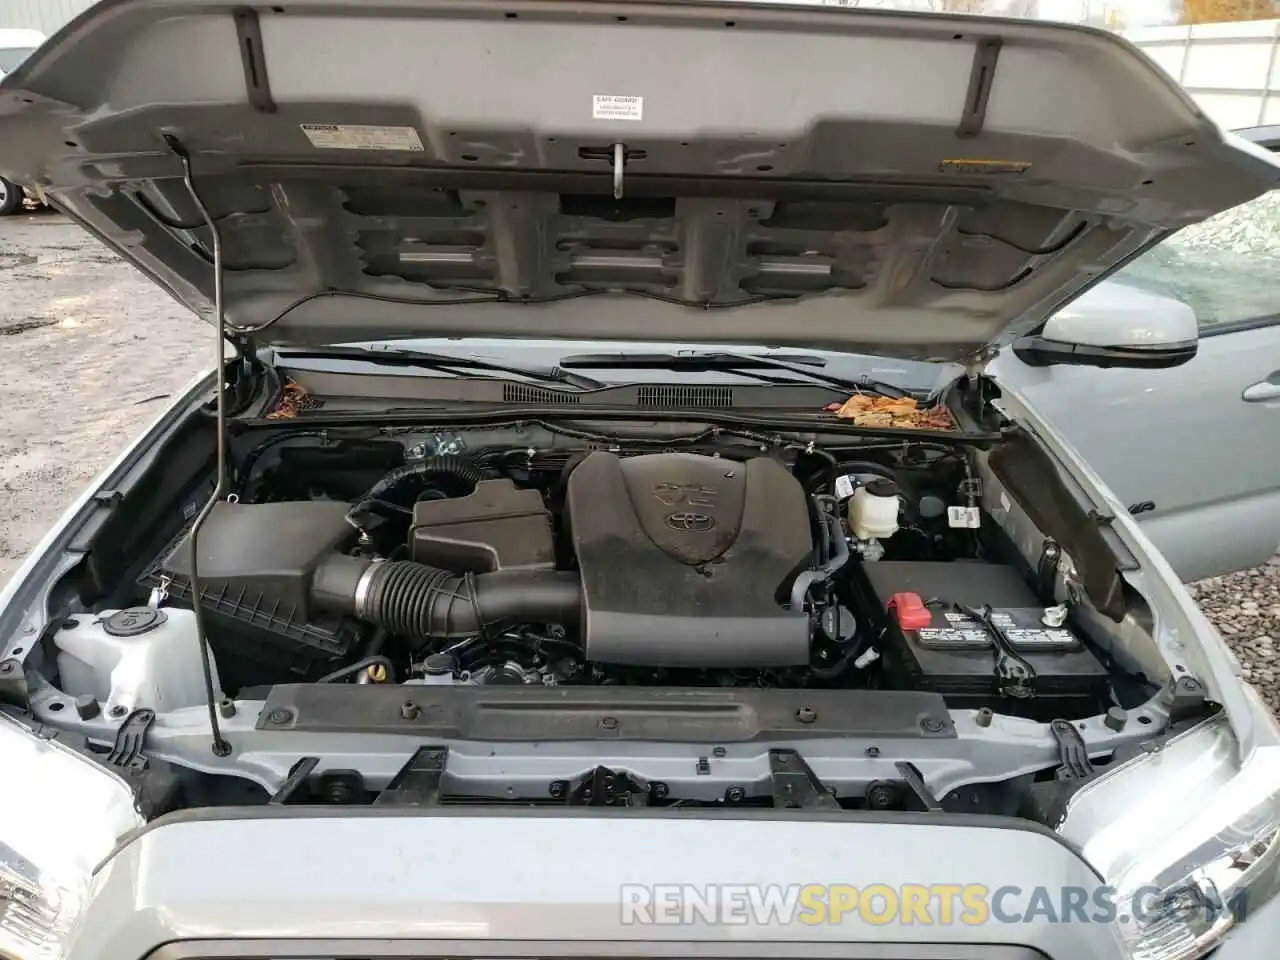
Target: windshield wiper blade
[748, 363]
[445, 363]
[686, 360]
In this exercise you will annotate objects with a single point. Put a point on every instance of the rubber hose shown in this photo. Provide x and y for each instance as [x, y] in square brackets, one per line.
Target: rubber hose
[361, 665]
[831, 565]
[415, 600]
[252, 457]
[417, 477]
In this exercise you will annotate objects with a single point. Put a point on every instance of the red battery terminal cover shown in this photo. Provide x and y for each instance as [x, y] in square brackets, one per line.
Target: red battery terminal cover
[909, 611]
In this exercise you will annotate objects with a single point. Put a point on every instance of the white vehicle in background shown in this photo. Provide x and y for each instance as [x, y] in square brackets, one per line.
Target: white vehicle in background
[15, 46]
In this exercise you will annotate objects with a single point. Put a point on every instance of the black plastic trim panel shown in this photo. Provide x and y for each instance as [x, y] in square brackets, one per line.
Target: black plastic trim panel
[582, 950]
[550, 714]
[334, 384]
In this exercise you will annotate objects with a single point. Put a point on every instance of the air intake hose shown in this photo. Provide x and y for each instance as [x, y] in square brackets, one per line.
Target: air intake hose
[459, 475]
[447, 475]
[415, 600]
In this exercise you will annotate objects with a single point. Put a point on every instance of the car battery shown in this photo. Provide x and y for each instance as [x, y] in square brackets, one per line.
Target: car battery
[932, 640]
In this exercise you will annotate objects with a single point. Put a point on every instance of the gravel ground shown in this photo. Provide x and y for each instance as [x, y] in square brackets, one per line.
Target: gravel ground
[1246, 608]
[89, 349]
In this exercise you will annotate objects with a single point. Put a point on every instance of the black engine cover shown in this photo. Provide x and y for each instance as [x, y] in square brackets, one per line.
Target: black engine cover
[686, 560]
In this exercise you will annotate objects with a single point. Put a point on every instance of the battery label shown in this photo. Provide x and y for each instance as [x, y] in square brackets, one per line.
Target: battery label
[1022, 628]
[950, 637]
[1040, 638]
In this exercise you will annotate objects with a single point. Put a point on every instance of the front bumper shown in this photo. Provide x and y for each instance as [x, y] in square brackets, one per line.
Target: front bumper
[579, 950]
[459, 882]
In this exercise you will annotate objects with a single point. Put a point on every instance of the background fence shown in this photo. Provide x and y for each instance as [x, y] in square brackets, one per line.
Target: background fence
[1231, 69]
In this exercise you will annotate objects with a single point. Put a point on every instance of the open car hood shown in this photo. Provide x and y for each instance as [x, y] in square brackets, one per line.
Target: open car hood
[911, 185]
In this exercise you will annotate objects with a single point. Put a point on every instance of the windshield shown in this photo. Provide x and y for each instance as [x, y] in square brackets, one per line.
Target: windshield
[1226, 268]
[10, 57]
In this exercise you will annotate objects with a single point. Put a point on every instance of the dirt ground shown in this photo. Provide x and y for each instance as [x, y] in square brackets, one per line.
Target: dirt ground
[88, 349]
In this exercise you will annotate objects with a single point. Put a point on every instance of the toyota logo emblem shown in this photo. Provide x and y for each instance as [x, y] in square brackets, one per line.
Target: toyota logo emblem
[690, 522]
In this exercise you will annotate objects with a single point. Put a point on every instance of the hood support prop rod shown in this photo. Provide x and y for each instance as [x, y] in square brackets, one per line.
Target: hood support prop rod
[221, 747]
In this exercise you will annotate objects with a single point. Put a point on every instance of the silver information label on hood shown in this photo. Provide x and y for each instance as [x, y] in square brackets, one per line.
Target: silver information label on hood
[912, 185]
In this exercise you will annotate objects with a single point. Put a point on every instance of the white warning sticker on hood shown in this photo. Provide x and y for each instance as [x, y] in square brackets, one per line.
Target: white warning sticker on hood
[359, 136]
[613, 106]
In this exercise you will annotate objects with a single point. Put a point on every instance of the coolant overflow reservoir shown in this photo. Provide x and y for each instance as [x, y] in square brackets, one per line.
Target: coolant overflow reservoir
[873, 510]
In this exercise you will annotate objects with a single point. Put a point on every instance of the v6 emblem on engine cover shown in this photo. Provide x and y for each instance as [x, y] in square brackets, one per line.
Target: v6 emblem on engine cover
[685, 494]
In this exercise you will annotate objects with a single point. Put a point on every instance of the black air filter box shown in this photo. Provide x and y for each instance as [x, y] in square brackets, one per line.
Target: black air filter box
[256, 563]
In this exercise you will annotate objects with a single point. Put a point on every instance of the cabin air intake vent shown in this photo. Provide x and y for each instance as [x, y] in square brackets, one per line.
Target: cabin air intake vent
[691, 396]
[524, 393]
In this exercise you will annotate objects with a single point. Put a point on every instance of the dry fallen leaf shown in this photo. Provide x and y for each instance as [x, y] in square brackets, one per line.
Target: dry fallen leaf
[865, 410]
[294, 400]
[872, 420]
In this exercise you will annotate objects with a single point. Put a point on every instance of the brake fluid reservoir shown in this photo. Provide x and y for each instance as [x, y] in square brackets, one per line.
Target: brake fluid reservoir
[873, 511]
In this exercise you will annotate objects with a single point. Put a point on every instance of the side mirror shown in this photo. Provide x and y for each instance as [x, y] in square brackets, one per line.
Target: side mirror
[1113, 325]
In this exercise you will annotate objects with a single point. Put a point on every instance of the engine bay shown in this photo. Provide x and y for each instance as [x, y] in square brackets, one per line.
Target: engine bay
[695, 614]
[475, 563]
